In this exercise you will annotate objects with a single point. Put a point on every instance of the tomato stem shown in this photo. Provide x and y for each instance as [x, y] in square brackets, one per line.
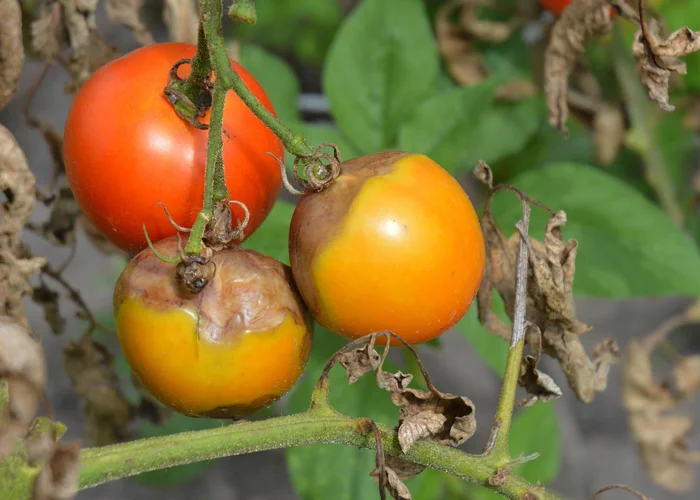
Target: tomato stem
[108, 463]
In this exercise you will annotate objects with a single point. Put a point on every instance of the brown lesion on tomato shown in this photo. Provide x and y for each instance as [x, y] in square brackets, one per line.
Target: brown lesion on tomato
[248, 293]
[322, 213]
[241, 410]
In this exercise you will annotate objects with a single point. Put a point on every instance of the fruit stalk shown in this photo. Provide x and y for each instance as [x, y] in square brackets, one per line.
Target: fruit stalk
[108, 463]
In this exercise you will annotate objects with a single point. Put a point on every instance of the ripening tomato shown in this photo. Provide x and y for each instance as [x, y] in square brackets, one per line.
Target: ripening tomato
[228, 351]
[556, 7]
[393, 244]
[126, 149]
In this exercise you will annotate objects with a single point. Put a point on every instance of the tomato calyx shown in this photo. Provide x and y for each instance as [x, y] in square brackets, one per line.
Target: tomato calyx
[320, 169]
[195, 272]
[186, 108]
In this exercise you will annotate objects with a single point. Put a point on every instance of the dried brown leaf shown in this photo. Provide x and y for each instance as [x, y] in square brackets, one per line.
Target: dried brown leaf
[393, 382]
[47, 298]
[608, 133]
[404, 469]
[686, 375]
[550, 303]
[360, 361]
[90, 367]
[396, 488]
[482, 29]
[127, 13]
[579, 21]
[23, 368]
[443, 418]
[16, 265]
[539, 385]
[59, 229]
[182, 19]
[11, 49]
[58, 479]
[661, 435]
[48, 33]
[79, 20]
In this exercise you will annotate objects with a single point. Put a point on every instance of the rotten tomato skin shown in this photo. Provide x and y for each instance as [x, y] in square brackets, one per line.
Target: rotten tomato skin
[126, 149]
[225, 352]
[393, 244]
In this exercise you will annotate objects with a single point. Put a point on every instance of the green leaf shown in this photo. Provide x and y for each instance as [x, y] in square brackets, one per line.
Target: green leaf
[536, 429]
[382, 63]
[272, 237]
[332, 471]
[276, 77]
[491, 348]
[181, 473]
[460, 127]
[627, 247]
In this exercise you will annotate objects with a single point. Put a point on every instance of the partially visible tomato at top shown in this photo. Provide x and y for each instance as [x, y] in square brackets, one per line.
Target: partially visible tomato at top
[126, 149]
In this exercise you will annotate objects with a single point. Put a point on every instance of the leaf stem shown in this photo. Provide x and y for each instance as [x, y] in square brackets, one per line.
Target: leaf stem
[100, 465]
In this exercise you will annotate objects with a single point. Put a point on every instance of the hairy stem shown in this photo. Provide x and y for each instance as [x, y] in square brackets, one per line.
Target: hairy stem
[200, 68]
[504, 414]
[643, 118]
[108, 463]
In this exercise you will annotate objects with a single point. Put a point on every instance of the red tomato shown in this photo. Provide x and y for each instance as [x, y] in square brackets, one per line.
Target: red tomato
[126, 149]
[556, 7]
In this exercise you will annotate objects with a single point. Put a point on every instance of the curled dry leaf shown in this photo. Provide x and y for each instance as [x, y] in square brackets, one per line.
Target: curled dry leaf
[403, 468]
[58, 478]
[90, 367]
[23, 369]
[550, 303]
[127, 13]
[11, 49]
[658, 57]
[59, 229]
[16, 266]
[686, 375]
[182, 19]
[539, 385]
[78, 17]
[48, 37]
[360, 361]
[440, 417]
[579, 21]
[393, 483]
[660, 434]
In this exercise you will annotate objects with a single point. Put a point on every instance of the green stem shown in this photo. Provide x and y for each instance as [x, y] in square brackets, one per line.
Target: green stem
[642, 133]
[100, 465]
[506, 403]
[200, 68]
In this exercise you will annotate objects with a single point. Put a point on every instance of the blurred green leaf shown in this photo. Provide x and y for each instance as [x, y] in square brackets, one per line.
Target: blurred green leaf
[317, 134]
[272, 237]
[331, 471]
[382, 63]
[276, 77]
[491, 348]
[627, 246]
[536, 429]
[302, 28]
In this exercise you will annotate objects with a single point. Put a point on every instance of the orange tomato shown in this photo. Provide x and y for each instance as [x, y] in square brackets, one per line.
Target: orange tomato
[126, 149]
[393, 244]
[228, 351]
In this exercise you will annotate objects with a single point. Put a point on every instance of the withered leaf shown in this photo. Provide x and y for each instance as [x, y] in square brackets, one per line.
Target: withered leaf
[686, 375]
[550, 303]
[16, 265]
[608, 133]
[48, 300]
[11, 49]
[48, 32]
[443, 418]
[127, 13]
[403, 468]
[579, 21]
[79, 20]
[182, 19]
[23, 369]
[90, 368]
[396, 488]
[393, 382]
[59, 229]
[360, 361]
[660, 434]
[58, 479]
[539, 385]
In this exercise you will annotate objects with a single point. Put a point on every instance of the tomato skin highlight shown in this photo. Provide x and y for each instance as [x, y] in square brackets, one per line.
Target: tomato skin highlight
[126, 149]
[393, 244]
[232, 349]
